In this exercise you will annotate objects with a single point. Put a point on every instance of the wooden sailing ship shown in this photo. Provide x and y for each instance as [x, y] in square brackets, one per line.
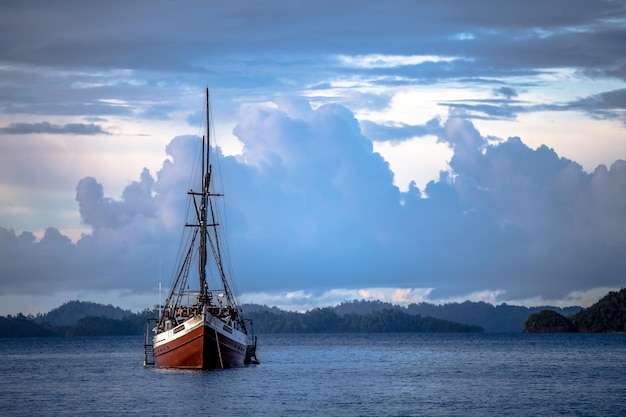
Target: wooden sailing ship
[202, 328]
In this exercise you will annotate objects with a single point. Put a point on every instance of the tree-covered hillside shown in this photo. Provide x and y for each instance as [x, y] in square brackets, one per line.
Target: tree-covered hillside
[326, 320]
[548, 321]
[80, 318]
[266, 320]
[502, 318]
[71, 312]
[606, 316]
[22, 326]
[77, 318]
[103, 326]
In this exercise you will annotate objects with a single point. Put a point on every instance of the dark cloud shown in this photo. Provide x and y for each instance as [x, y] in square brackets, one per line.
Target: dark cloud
[507, 92]
[489, 109]
[608, 105]
[146, 50]
[312, 206]
[157, 35]
[46, 127]
[400, 131]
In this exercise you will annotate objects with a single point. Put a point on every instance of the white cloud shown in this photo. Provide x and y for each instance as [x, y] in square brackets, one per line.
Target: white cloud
[389, 61]
[568, 134]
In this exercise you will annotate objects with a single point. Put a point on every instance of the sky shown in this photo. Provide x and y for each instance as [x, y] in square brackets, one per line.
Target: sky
[404, 151]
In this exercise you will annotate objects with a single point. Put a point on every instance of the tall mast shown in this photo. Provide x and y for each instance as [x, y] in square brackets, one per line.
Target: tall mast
[206, 169]
[208, 144]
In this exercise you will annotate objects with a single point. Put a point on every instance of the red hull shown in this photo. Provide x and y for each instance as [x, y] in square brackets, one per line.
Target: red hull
[198, 349]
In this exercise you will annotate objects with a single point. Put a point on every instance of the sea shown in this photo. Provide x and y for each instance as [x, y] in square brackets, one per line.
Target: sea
[325, 375]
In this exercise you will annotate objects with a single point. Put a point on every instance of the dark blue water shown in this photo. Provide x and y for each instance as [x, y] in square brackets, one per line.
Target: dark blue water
[325, 375]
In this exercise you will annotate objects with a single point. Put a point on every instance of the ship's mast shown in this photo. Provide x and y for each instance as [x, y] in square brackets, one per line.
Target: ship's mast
[213, 242]
[206, 180]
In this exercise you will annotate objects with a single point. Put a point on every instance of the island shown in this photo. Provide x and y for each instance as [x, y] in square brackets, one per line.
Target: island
[606, 316]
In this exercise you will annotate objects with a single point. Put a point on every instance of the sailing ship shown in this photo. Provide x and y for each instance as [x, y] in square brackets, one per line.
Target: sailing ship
[202, 328]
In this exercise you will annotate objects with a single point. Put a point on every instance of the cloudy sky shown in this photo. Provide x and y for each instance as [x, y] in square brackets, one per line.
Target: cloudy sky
[403, 150]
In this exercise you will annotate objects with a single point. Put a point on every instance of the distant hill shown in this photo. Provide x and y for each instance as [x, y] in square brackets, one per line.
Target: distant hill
[83, 318]
[129, 324]
[501, 318]
[326, 320]
[606, 316]
[103, 326]
[71, 312]
[548, 321]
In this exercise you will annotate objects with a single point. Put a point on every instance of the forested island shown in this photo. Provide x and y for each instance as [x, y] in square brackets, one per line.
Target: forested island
[606, 316]
[326, 320]
[83, 318]
[79, 318]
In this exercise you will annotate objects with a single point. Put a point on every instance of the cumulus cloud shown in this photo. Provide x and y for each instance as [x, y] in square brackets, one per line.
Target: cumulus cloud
[311, 207]
[105, 213]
